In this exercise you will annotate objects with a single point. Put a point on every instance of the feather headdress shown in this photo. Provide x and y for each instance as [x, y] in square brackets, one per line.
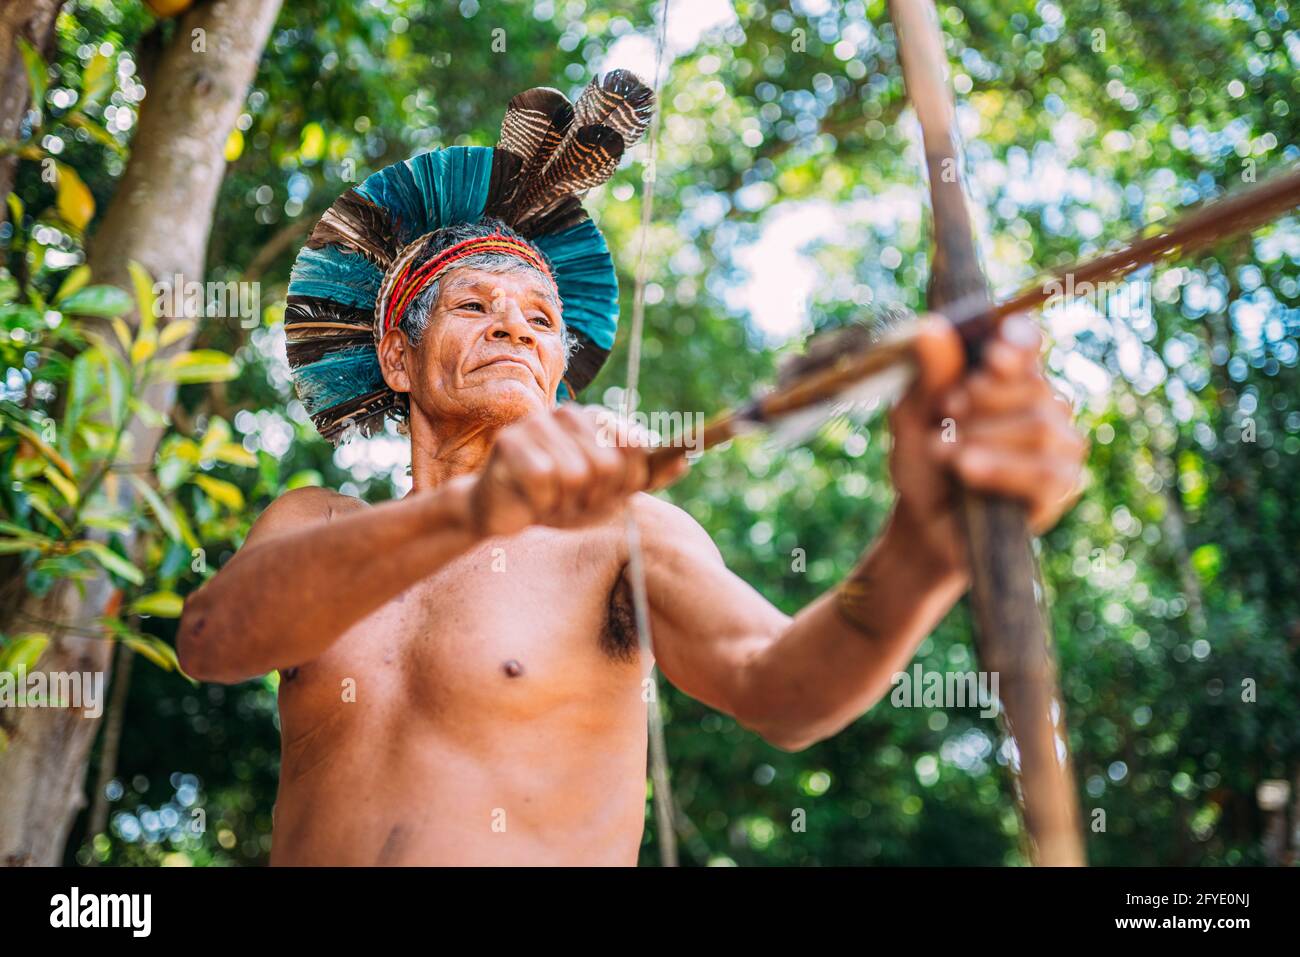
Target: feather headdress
[549, 154]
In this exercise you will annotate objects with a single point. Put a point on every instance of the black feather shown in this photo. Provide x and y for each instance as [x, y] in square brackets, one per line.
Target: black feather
[585, 362]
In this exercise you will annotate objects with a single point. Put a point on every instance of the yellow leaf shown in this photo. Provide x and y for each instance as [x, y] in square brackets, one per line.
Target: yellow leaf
[75, 280]
[201, 365]
[23, 651]
[313, 141]
[66, 488]
[175, 331]
[222, 492]
[187, 450]
[187, 531]
[145, 346]
[156, 651]
[234, 146]
[123, 333]
[235, 454]
[217, 435]
[75, 203]
[97, 78]
[144, 295]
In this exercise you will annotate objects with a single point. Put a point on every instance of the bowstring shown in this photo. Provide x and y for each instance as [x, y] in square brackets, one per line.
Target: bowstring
[665, 831]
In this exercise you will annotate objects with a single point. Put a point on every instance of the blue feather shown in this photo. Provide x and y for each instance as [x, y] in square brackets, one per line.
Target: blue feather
[453, 183]
[339, 377]
[394, 188]
[584, 273]
[332, 273]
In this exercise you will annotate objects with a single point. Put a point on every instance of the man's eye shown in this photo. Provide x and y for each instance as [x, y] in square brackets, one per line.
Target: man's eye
[544, 320]
[473, 304]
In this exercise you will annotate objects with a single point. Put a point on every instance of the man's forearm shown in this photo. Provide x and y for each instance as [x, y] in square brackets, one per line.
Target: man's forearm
[837, 657]
[282, 602]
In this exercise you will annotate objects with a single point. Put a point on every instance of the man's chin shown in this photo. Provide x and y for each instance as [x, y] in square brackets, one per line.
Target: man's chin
[505, 401]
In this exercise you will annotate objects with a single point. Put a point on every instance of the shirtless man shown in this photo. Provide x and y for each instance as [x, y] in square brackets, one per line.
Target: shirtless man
[460, 680]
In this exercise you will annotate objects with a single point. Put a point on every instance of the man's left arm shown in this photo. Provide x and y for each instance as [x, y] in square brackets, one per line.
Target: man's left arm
[799, 680]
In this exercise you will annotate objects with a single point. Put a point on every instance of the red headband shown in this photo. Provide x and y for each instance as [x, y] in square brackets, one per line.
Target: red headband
[409, 282]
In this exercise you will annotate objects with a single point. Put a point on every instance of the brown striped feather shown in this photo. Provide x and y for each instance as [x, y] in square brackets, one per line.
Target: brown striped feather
[356, 224]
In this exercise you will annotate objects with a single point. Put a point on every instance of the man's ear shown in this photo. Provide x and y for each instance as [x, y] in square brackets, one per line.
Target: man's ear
[394, 358]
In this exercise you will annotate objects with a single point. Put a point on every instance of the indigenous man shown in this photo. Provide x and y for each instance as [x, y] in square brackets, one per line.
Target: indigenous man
[461, 678]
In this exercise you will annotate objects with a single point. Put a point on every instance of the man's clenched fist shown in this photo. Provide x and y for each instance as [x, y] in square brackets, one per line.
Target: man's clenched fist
[1000, 430]
[565, 468]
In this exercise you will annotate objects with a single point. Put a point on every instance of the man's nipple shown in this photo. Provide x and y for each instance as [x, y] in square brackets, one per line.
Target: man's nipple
[512, 668]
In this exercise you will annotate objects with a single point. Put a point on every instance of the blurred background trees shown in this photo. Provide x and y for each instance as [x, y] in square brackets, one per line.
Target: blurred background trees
[789, 198]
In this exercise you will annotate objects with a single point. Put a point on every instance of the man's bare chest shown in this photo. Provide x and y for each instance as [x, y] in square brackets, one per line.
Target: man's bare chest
[515, 628]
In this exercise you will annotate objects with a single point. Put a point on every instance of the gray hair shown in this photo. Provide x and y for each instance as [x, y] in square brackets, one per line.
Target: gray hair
[415, 321]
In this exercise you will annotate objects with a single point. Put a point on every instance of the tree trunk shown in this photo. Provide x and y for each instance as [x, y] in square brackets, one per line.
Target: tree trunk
[33, 20]
[160, 217]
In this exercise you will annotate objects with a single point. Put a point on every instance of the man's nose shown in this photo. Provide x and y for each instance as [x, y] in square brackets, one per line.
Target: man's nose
[510, 322]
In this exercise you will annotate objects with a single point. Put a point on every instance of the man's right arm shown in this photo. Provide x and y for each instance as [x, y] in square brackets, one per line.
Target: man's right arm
[314, 564]
[317, 562]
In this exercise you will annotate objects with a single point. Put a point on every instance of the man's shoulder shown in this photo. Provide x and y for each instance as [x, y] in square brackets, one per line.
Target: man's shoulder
[302, 507]
[313, 500]
[667, 527]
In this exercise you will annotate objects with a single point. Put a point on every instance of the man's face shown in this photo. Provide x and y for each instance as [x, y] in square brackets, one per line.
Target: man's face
[493, 348]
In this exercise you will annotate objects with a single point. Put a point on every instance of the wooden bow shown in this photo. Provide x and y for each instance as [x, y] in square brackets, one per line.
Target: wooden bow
[1011, 630]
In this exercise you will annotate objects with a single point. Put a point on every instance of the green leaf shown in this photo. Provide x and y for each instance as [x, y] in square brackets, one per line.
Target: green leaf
[37, 74]
[32, 436]
[166, 520]
[303, 479]
[160, 604]
[147, 413]
[97, 132]
[112, 561]
[37, 500]
[109, 523]
[23, 651]
[1207, 560]
[97, 78]
[9, 528]
[15, 546]
[105, 301]
[201, 365]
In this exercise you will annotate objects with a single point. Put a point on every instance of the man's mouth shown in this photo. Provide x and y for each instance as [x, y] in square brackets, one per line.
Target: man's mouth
[507, 360]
